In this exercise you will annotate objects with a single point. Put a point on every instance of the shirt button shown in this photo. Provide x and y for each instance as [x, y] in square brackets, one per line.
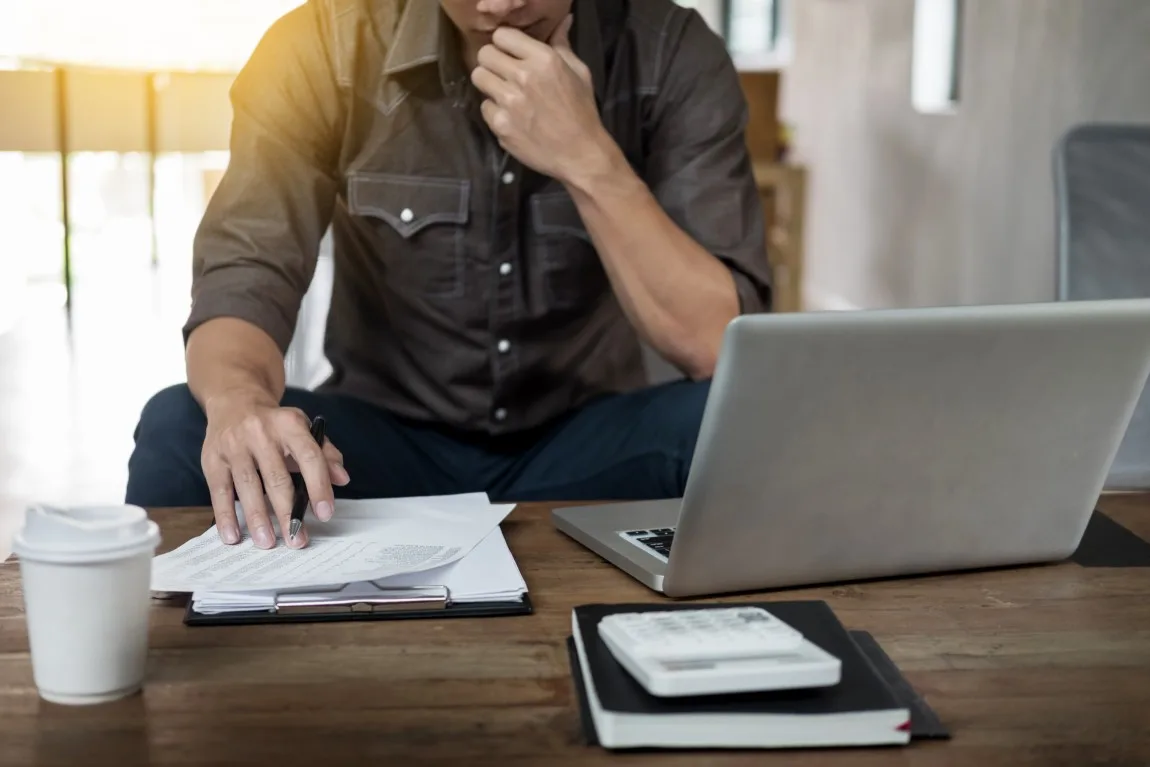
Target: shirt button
[508, 177]
[504, 346]
[406, 215]
[500, 415]
[505, 268]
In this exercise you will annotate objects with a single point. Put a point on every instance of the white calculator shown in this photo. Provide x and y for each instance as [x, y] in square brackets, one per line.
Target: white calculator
[716, 651]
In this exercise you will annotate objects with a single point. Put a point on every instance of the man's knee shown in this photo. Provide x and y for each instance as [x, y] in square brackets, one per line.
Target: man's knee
[680, 408]
[164, 469]
[674, 418]
[170, 410]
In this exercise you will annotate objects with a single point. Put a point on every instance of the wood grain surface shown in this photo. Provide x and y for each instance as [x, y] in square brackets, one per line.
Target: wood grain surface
[1042, 666]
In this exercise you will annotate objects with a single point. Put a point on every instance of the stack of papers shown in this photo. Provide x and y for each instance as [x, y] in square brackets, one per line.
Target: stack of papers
[488, 574]
[370, 547]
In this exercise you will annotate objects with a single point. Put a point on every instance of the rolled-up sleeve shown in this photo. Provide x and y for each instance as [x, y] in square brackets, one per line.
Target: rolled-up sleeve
[698, 165]
[256, 248]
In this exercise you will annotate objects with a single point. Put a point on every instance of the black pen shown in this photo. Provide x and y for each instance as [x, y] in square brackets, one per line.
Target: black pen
[301, 495]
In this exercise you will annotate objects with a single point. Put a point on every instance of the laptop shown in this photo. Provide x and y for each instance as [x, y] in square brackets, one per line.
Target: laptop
[845, 446]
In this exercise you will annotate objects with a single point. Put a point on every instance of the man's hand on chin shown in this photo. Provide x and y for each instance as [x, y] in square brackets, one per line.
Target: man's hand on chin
[541, 103]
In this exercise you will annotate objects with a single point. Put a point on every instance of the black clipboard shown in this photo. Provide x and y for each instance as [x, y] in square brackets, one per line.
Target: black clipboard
[407, 603]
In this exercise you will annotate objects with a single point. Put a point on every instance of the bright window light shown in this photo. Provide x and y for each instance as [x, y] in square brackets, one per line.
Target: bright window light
[937, 43]
[756, 31]
[710, 10]
[192, 35]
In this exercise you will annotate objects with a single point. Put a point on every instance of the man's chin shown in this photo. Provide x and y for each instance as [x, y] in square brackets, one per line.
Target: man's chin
[542, 30]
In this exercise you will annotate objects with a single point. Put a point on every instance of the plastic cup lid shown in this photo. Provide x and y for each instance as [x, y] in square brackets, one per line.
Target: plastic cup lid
[85, 534]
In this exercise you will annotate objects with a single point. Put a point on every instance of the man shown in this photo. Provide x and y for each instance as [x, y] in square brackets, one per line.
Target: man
[519, 192]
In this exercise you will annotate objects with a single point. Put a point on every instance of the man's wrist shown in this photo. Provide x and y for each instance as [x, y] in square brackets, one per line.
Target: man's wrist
[237, 396]
[603, 163]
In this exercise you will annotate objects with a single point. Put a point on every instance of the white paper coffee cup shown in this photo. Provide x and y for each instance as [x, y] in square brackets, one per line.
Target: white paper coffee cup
[86, 574]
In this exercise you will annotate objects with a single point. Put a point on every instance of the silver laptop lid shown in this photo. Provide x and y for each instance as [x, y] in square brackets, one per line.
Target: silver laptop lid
[849, 445]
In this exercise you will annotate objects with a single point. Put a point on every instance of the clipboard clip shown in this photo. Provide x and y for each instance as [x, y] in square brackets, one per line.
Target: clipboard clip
[389, 599]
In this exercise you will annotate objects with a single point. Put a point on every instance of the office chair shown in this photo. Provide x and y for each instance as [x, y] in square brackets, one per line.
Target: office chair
[1102, 188]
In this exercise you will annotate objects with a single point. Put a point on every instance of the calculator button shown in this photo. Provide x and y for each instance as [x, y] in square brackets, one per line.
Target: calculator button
[715, 633]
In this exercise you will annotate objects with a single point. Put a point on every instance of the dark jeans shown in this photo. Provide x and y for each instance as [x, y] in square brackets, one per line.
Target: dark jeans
[637, 445]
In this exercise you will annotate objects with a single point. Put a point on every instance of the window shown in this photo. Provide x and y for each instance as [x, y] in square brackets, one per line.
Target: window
[757, 31]
[710, 10]
[30, 216]
[110, 200]
[199, 35]
[937, 50]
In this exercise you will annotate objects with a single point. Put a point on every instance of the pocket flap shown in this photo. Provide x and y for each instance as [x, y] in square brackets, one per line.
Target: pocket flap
[409, 203]
[556, 213]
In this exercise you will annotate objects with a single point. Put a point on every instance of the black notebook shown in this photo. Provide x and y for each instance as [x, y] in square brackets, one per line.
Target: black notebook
[862, 710]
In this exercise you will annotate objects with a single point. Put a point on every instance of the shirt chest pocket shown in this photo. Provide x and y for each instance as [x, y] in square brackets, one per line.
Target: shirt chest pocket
[570, 270]
[418, 227]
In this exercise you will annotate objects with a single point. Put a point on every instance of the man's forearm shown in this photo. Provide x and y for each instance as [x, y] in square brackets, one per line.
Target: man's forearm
[229, 358]
[679, 297]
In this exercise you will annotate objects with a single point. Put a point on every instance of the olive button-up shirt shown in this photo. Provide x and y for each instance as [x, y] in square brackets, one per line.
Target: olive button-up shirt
[467, 291]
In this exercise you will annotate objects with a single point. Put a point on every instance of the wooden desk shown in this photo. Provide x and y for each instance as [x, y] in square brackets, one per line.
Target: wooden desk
[1036, 666]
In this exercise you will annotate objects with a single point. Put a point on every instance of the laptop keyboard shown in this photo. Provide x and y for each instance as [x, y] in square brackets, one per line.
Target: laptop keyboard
[655, 540]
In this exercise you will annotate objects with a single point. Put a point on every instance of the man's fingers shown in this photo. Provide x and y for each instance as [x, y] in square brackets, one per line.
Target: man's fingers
[492, 84]
[219, 479]
[574, 63]
[314, 467]
[518, 43]
[277, 481]
[561, 42]
[251, 493]
[500, 63]
[336, 469]
[561, 37]
[516, 56]
[496, 118]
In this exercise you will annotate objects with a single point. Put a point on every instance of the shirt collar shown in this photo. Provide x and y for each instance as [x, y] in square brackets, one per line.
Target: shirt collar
[420, 37]
[417, 37]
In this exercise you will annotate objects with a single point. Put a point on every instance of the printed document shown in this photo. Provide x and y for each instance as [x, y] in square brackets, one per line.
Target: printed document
[366, 540]
[488, 574]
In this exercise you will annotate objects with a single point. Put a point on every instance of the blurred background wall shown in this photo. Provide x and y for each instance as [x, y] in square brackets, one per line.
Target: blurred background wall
[905, 208]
